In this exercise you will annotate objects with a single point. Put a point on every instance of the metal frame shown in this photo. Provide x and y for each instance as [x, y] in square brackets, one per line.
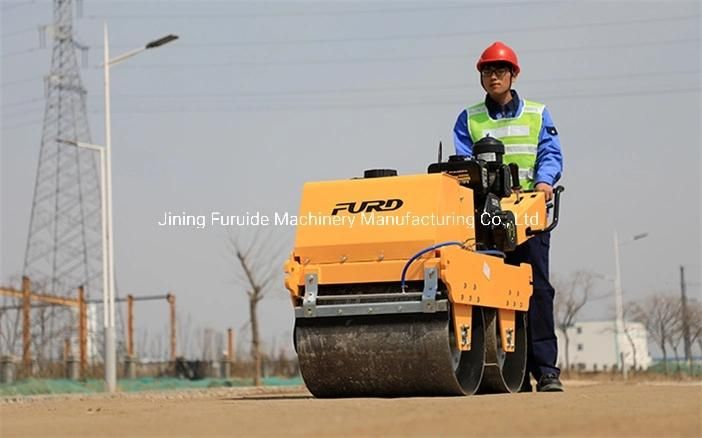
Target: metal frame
[312, 309]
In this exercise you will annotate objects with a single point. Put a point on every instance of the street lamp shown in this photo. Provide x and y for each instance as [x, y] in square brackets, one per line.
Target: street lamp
[108, 276]
[619, 308]
[110, 341]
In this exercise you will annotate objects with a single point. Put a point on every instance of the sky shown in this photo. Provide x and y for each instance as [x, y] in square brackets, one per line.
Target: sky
[256, 98]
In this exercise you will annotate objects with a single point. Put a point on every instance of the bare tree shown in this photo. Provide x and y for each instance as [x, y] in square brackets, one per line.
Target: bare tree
[659, 314]
[571, 297]
[10, 320]
[693, 319]
[694, 316]
[627, 311]
[260, 263]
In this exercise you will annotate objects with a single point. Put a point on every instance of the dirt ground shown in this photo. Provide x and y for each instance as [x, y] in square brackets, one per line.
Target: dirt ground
[599, 409]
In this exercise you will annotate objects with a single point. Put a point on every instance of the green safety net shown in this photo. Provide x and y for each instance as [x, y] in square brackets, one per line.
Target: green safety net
[65, 386]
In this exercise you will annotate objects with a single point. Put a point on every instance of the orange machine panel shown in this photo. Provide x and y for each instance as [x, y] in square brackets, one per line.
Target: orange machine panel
[389, 218]
[529, 211]
[482, 280]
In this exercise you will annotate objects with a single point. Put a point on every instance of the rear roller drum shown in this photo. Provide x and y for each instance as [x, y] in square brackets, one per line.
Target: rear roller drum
[469, 365]
[504, 371]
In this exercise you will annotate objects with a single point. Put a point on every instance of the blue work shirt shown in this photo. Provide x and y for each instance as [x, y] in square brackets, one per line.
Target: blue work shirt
[549, 159]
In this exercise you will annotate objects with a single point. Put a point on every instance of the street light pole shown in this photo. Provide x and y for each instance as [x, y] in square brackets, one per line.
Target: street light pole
[619, 310]
[618, 303]
[110, 335]
[108, 235]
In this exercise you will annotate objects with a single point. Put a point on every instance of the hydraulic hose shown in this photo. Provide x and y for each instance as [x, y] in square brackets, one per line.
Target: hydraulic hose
[421, 253]
[492, 252]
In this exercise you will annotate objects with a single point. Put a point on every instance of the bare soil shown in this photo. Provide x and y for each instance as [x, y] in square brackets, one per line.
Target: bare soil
[585, 409]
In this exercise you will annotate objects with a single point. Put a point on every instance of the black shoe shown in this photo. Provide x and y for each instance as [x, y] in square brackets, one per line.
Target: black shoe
[549, 383]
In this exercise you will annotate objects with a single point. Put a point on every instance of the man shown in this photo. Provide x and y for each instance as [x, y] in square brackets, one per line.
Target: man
[532, 142]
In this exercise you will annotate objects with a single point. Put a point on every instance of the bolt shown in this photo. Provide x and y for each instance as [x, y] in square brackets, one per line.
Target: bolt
[399, 308]
[339, 311]
[343, 258]
[370, 310]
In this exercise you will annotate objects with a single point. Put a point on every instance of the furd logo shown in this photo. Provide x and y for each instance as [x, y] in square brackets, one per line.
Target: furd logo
[367, 206]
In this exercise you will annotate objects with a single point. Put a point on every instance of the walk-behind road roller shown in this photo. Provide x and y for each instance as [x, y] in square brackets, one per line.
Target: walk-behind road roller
[400, 284]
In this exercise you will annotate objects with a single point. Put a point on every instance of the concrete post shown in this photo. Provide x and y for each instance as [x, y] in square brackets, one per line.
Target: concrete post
[226, 367]
[72, 368]
[7, 369]
[215, 372]
[26, 327]
[172, 307]
[130, 364]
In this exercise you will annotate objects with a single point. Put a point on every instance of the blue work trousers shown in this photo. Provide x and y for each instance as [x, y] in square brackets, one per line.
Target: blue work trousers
[542, 352]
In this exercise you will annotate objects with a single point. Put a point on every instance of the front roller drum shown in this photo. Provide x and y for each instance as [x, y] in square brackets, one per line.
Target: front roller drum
[388, 356]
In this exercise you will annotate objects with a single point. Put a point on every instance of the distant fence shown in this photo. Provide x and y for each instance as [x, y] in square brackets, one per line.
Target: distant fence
[284, 367]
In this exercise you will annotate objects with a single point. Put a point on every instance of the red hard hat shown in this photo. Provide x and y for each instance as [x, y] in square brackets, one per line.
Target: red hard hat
[499, 52]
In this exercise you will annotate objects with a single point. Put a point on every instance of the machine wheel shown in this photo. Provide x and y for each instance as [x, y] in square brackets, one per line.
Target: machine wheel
[388, 356]
[504, 371]
[469, 365]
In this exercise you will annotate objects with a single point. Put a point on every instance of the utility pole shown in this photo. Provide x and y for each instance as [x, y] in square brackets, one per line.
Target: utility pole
[63, 243]
[619, 308]
[685, 320]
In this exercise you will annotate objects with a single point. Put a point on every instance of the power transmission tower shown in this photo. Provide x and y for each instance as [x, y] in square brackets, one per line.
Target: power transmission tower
[64, 242]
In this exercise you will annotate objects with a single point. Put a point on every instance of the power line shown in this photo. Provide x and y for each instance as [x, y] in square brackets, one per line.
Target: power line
[638, 93]
[21, 81]
[426, 36]
[19, 32]
[9, 7]
[22, 102]
[20, 113]
[373, 60]
[332, 91]
[316, 12]
[515, 29]
[22, 124]
[392, 89]
[392, 59]
[419, 103]
[21, 52]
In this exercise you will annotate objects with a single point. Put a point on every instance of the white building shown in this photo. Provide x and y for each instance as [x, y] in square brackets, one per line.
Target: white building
[593, 346]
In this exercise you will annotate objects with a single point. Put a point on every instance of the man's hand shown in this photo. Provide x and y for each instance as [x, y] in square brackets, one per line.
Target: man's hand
[547, 189]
